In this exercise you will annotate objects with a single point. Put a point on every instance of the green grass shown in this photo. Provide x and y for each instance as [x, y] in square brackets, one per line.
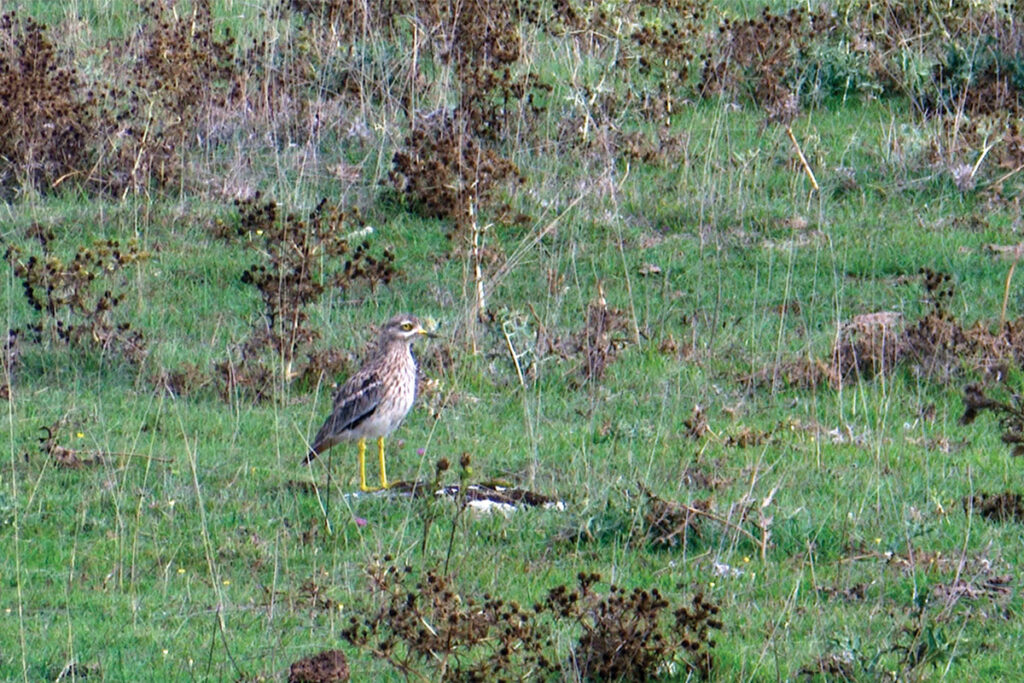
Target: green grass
[200, 549]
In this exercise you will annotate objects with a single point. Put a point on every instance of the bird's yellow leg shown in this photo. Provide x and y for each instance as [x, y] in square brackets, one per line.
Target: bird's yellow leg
[380, 454]
[362, 466]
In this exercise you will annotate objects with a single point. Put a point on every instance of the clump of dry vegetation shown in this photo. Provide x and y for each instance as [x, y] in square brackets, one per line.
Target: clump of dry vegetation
[426, 627]
[651, 46]
[1007, 506]
[75, 299]
[446, 172]
[470, 89]
[759, 58]
[300, 259]
[181, 71]
[604, 335]
[625, 637]
[868, 345]
[128, 127]
[47, 114]
[329, 666]
[935, 345]
[671, 523]
[455, 159]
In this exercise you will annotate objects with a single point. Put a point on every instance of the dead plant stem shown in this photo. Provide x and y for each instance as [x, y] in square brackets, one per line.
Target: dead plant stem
[803, 159]
[1006, 291]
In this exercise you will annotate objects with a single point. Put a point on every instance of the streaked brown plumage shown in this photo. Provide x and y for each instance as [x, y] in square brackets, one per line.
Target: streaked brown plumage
[375, 400]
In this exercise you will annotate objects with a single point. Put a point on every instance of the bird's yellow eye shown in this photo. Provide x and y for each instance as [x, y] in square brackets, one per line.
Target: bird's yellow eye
[407, 326]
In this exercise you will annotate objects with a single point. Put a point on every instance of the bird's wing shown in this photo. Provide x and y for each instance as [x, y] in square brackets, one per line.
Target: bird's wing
[357, 400]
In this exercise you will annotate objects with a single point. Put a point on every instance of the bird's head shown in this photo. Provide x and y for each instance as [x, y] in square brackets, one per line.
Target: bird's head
[403, 328]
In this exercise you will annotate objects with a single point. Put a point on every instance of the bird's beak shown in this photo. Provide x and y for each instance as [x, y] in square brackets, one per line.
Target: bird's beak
[428, 323]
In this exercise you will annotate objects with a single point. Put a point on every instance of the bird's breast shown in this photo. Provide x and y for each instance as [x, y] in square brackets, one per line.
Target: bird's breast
[398, 401]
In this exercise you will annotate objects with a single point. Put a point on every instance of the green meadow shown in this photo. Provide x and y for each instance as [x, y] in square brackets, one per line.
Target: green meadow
[721, 280]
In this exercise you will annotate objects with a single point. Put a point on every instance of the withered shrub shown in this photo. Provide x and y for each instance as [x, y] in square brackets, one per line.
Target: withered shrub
[447, 173]
[48, 116]
[426, 628]
[129, 128]
[759, 58]
[75, 299]
[455, 159]
[300, 259]
[935, 345]
[179, 72]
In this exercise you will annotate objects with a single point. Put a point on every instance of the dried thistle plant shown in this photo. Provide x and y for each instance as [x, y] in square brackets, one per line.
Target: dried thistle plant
[1010, 413]
[426, 628]
[47, 115]
[300, 259]
[75, 300]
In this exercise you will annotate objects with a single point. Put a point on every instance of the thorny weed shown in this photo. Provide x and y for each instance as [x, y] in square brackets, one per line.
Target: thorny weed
[47, 116]
[181, 72]
[936, 345]
[425, 628]
[301, 258]
[127, 130]
[446, 172]
[75, 300]
[474, 89]
[1010, 413]
[758, 58]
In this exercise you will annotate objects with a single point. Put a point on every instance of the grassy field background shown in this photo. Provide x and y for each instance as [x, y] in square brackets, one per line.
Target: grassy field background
[718, 279]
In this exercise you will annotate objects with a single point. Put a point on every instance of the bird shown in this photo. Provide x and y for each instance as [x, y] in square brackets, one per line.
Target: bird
[374, 400]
